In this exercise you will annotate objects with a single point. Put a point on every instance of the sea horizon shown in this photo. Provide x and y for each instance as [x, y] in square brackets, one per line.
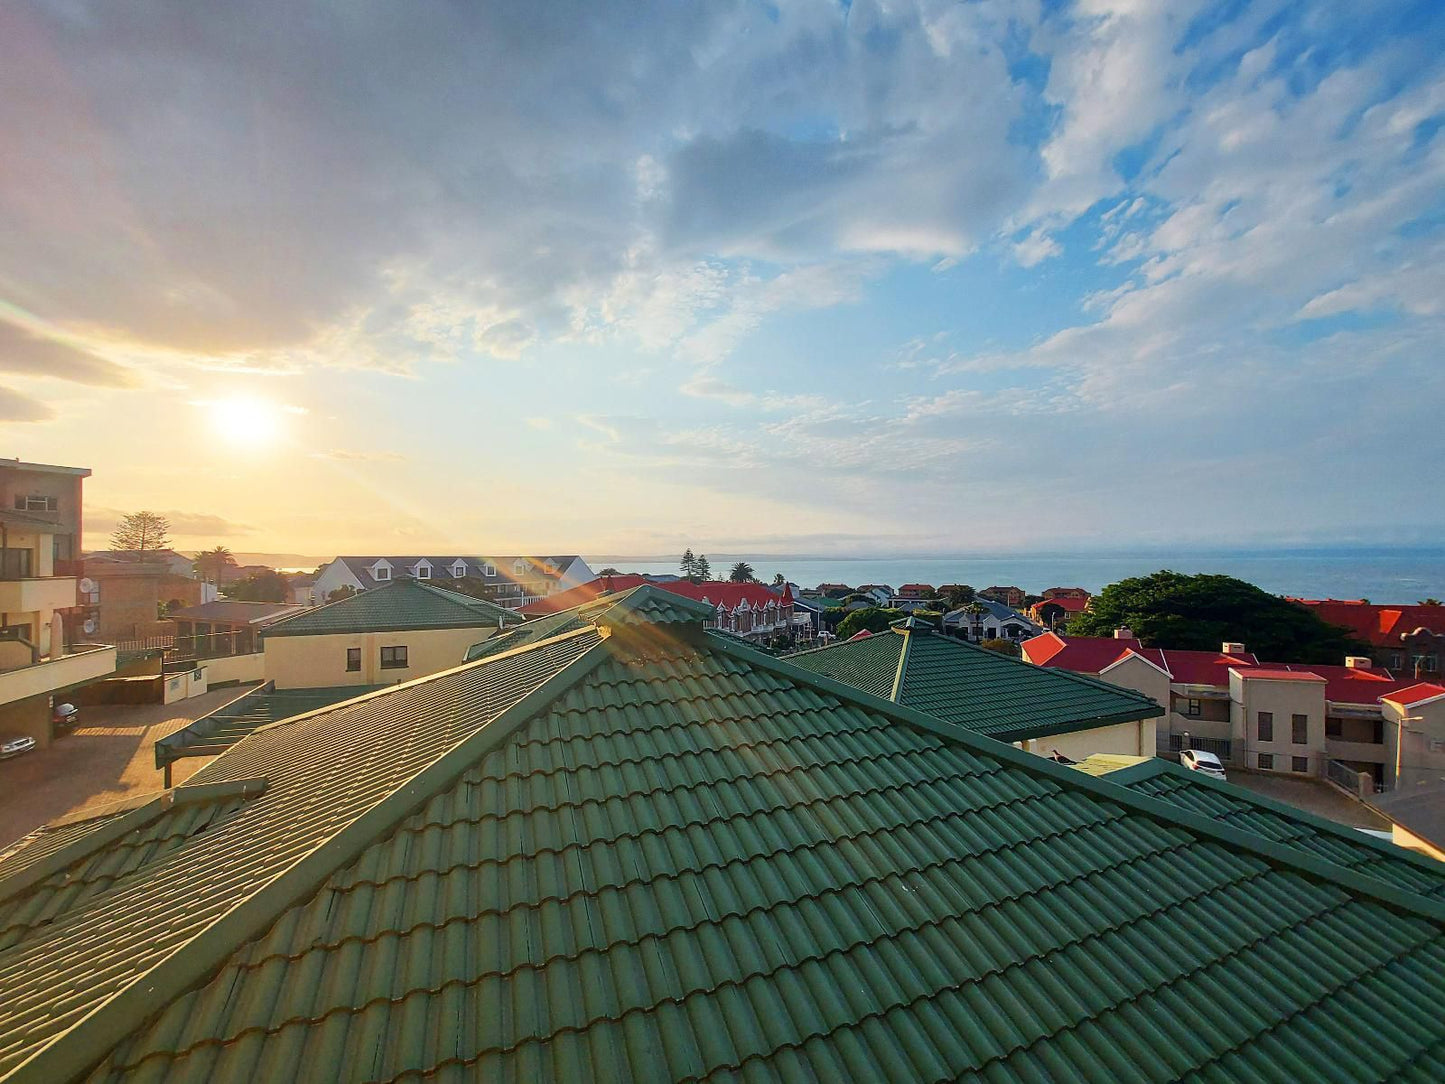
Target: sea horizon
[1384, 574]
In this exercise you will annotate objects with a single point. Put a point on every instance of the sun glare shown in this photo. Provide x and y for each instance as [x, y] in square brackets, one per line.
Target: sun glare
[250, 422]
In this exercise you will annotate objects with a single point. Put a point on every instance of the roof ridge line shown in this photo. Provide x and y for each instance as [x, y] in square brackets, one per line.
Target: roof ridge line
[902, 665]
[62, 1058]
[1066, 776]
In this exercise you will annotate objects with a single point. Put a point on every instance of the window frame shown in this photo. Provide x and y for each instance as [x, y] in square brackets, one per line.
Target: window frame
[353, 660]
[1298, 724]
[1266, 762]
[1194, 707]
[1295, 762]
[394, 661]
[1264, 725]
[381, 573]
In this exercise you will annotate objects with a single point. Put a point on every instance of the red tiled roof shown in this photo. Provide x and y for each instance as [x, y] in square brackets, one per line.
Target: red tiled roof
[916, 588]
[1415, 694]
[1067, 603]
[1379, 625]
[731, 595]
[582, 594]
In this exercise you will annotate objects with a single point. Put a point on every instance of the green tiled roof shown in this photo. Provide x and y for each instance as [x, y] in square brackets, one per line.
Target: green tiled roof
[976, 688]
[1243, 809]
[261, 706]
[401, 604]
[639, 852]
[543, 628]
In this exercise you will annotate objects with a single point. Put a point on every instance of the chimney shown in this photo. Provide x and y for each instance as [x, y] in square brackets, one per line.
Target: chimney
[1123, 632]
[1231, 647]
[1358, 662]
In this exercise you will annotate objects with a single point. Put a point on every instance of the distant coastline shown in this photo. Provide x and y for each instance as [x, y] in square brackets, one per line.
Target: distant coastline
[1381, 574]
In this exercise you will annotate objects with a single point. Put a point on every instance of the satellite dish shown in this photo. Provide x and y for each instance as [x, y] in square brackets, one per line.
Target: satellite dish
[86, 585]
[89, 626]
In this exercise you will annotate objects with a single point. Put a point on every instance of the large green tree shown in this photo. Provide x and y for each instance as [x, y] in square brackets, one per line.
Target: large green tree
[265, 586]
[1171, 609]
[872, 618]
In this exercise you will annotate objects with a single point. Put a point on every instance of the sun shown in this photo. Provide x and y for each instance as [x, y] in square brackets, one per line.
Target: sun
[245, 421]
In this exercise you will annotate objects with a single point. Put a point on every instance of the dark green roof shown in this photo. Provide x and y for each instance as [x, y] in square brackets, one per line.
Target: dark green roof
[974, 687]
[404, 604]
[640, 852]
[1243, 809]
[535, 631]
[232, 721]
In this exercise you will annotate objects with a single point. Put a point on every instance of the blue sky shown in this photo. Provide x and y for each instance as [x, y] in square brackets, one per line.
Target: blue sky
[852, 279]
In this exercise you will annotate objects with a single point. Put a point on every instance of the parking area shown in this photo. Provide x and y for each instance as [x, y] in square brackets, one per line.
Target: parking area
[107, 758]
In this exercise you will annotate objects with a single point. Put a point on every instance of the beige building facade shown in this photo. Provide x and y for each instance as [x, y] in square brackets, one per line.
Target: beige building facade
[366, 658]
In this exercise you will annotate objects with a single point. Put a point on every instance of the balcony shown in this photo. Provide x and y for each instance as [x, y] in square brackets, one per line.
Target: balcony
[29, 595]
[86, 664]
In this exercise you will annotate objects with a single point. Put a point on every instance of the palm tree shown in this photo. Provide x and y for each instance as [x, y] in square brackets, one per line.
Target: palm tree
[742, 572]
[975, 611]
[779, 580]
[212, 564]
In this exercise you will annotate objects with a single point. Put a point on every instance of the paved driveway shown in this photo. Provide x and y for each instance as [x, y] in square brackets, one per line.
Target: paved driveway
[106, 759]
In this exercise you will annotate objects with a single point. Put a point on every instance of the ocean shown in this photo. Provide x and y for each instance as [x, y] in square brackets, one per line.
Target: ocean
[1396, 575]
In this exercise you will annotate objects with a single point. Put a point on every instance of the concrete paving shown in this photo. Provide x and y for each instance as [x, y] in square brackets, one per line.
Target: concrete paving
[107, 758]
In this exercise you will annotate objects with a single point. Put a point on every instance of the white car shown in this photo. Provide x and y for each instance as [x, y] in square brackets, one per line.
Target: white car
[14, 745]
[1203, 762]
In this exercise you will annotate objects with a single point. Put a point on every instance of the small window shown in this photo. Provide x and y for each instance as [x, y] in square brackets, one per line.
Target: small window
[1266, 726]
[1266, 762]
[1299, 764]
[1299, 729]
[1333, 728]
[459, 570]
[353, 659]
[1194, 709]
[423, 572]
[489, 570]
[393, 658]
[382, 573]
[35, 504]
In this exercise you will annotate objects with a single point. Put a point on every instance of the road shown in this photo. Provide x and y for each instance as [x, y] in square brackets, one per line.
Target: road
[108, 758]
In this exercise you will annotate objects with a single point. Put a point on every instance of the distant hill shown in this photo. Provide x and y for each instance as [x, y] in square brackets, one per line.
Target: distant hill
[280, 560]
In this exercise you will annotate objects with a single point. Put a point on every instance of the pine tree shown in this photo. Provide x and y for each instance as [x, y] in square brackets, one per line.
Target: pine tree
[702, 570]
[688, 567]
[141, 532]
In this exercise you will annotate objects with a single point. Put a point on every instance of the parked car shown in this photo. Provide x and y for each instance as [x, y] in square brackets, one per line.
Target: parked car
[1203, 762]
[65, 715]
[13, 745]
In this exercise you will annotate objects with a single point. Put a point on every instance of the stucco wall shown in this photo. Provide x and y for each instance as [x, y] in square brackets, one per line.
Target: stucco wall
[1284, 699]
[1129, 739]
[316, 662]
[250, 667]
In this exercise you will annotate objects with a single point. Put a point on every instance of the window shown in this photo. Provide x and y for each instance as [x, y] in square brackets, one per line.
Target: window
[393, 658]
[423, 572]
[489, 570]
[1397, 660]
[459, 570]
[1333, 728]
[353, 659]
[1300, 729]
[1299, 764]
[1266, 726]
[1266, 762]
[1194, 709]
[381, 572]
[35, 504]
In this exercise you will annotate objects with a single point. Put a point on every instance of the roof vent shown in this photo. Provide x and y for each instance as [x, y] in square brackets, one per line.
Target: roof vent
[1358, 662]
[1123, 632]
[1232, 647]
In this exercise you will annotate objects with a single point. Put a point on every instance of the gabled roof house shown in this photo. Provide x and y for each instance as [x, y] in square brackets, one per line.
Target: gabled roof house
[639, 850]
[512, 581]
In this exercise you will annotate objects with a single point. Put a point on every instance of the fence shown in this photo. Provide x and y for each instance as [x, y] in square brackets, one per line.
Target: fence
[1220, 747]
[1360, 784]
